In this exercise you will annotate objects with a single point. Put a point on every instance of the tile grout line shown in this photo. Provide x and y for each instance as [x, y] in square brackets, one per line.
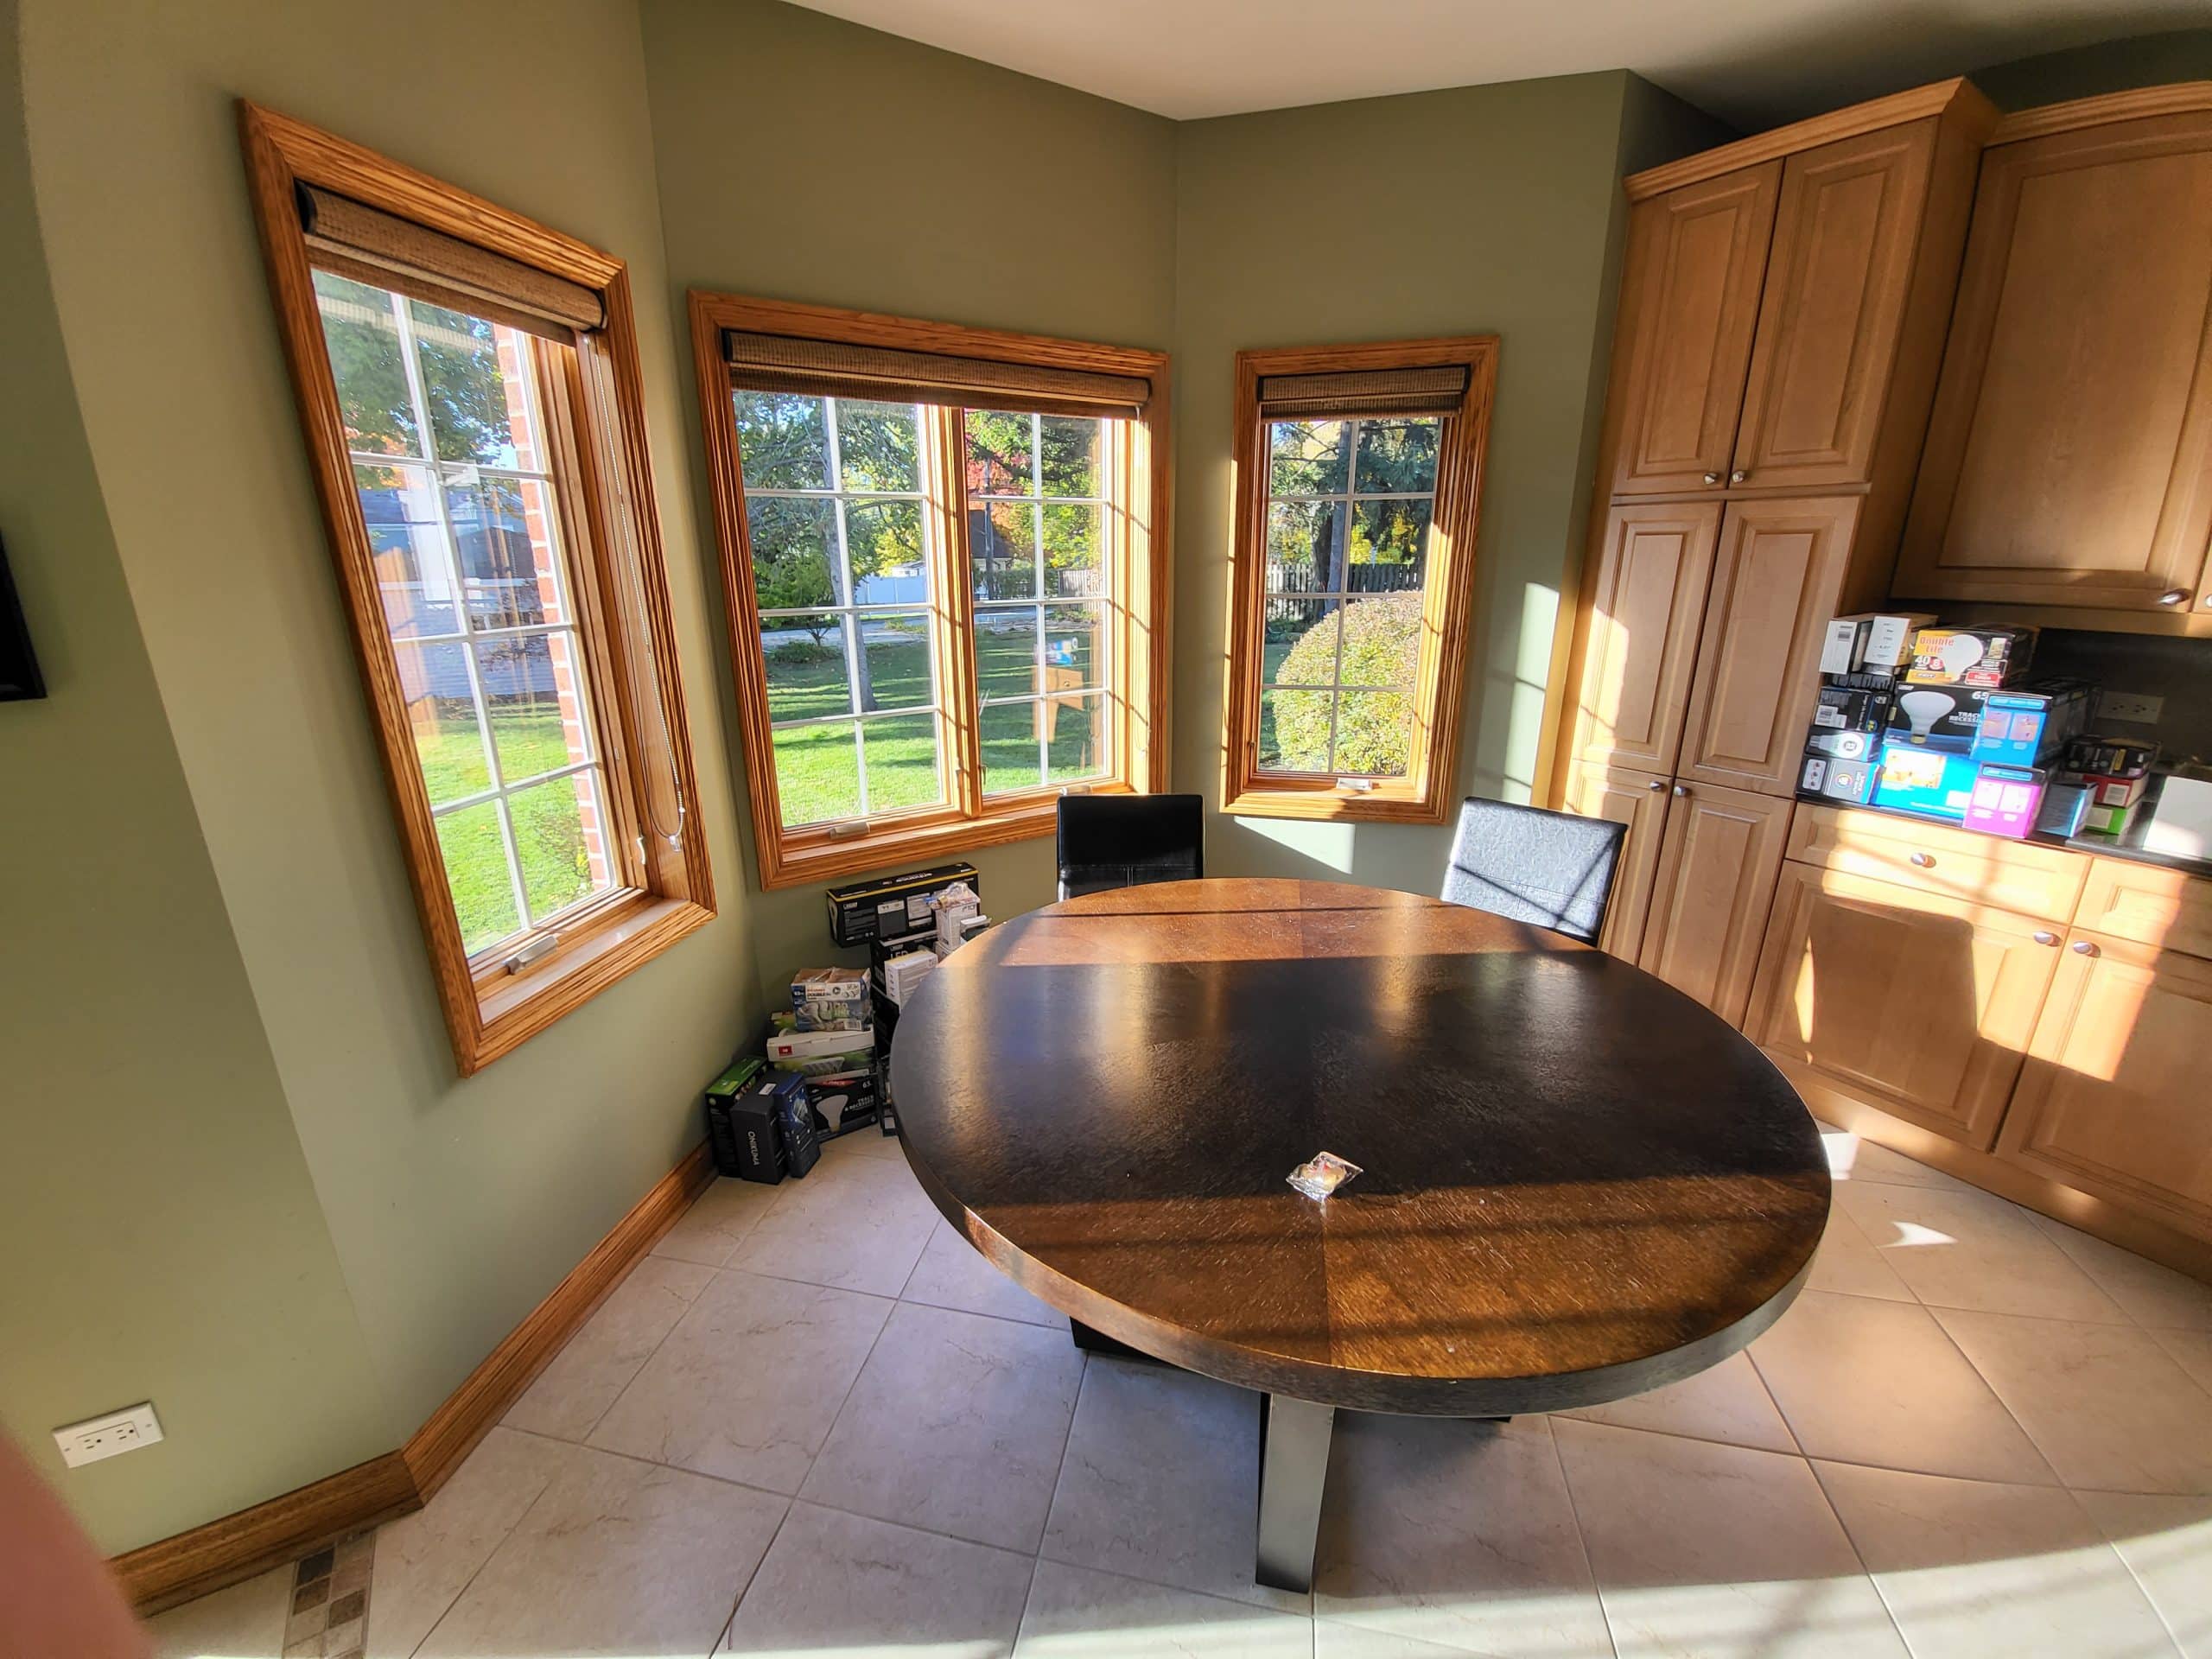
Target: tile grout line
[506, 1537]
[629, 1381]
[1581, 1537]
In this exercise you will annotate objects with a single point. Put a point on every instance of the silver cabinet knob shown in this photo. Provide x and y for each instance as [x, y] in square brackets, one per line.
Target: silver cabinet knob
[1682, 790]
[1737, 476]
[1658, 784]
[2174, 596]
[1713, 477]
[1925, 860]
[2044, 936]
[2085, 947]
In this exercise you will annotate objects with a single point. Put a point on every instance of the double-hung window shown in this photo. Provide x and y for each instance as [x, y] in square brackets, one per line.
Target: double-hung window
[1358, 474]
[943, 550]
[467, 382]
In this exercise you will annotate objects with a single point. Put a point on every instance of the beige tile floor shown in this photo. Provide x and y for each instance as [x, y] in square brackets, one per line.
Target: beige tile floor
[813, 1424]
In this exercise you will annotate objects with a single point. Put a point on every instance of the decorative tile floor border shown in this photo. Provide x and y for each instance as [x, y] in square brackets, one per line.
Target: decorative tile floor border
[330, 1602]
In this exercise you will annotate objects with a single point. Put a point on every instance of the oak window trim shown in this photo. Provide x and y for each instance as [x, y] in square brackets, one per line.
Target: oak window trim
[593, 407]
[1427, 794]
[793, 857]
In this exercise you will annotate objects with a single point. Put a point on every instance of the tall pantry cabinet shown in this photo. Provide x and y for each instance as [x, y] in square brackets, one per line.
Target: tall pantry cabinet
[1781, 323]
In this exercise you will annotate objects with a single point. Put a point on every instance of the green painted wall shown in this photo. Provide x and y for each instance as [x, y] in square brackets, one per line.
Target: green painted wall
[454, 1206]
[805, 158]
[160, 1233]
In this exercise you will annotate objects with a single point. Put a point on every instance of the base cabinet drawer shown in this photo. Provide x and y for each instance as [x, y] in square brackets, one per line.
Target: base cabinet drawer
[2114, 1098]
[1918, 1002]
[1718, 860]
[2015, 875]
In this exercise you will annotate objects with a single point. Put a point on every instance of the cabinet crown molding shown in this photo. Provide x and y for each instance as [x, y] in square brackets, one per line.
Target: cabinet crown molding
[2180, 98]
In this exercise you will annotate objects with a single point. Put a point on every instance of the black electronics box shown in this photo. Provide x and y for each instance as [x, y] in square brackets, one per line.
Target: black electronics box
[741, 1123]
[844, 1100]
[794, 1119]
[1845, 708]
[893, 904]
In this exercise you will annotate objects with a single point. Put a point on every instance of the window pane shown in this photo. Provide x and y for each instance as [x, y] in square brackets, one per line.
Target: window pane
[1077, 731]
[1002, 550]
[805, 657]
[879, 446]
[902, 763]
[1374, 735]
[817, 773]
[1008, 649]
[794, 552]
[560, 842]
[1306, 547]
[533, 690]
[1008, 732]
[408, 542]
[1307, 457]
[1389, 546]
[362, 336]
[1294, 730]
[884, 540]
[1383, 641]
[782, 441]
[895, 661]
[442, 711]
[1298, 642]
[1000, 447]
[1075, 647]
[510, 563]
[475, 857]
[1069, 454]
[1397, 455]
[1074, 561]
[476, 386]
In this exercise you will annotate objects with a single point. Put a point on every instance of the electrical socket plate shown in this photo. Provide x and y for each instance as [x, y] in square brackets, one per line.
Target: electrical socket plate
[110, 1436]
[2131, 707]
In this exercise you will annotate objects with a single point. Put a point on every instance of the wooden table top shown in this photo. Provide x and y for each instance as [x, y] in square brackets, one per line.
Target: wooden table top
[1578, 1184]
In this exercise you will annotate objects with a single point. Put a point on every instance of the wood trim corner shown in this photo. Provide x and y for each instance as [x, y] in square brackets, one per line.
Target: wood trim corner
[297, 1523]
[2180, 98]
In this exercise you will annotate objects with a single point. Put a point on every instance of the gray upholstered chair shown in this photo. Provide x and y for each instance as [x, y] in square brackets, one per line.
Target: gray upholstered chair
[1551, 868]
[1125, 840]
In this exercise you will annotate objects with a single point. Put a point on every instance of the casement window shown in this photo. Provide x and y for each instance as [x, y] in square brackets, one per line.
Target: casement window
[1358, 482]
[467, 382]
[945, 557]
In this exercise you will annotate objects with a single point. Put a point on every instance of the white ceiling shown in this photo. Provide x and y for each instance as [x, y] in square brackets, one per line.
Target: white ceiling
[1753, 62]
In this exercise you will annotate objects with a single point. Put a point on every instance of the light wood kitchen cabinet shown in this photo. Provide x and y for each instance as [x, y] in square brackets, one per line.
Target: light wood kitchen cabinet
[1717, 859]
[2113, 1098]
[1847, 231]
[2020, 876]
[2149, 904]
[1775, 582]
[1638, 800]
[1915, 1001]
[1689, 303]
[1640, 627]
[2068, 457]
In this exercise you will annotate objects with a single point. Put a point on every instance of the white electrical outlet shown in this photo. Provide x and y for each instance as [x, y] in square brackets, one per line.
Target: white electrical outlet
[110, 1436]
[2131, 707]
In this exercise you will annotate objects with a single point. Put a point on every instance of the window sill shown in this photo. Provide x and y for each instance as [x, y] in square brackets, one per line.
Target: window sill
[511, 1009]
[824, 859]
[1333, 805]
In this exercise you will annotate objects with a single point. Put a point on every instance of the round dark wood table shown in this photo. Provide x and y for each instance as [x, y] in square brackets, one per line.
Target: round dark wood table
[1576, 1183]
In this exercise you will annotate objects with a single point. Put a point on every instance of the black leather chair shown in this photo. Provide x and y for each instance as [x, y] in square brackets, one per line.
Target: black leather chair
[1551, 868]
[1125, 840]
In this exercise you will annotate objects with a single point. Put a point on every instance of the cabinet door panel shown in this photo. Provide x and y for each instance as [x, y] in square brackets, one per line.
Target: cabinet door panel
[1638, 799]
[1775, 585]
[1717, 865]
[1910, 1000]
[2148, 905]
[1640, 627]
[1833, 305]
[1689, 302]
[2112, 1097]
[2069, 455]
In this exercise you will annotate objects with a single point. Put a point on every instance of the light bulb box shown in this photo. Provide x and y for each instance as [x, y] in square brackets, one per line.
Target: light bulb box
[2005, 800]
[1933, 783]
[1989, 657]
[2026, 725]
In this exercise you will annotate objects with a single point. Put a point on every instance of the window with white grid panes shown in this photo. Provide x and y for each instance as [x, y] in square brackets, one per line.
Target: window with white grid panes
[446, 430]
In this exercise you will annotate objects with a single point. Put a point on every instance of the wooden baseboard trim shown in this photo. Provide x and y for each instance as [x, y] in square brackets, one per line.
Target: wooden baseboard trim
[435, 1450]
[298, 1522]
[268, 1534]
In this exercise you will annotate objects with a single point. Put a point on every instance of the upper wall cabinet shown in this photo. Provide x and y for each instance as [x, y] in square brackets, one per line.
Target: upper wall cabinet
[2069, 459]
[1689, 301]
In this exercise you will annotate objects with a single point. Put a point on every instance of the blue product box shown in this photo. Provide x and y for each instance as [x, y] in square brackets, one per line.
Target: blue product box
[1935, 783]
[2027, 727]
